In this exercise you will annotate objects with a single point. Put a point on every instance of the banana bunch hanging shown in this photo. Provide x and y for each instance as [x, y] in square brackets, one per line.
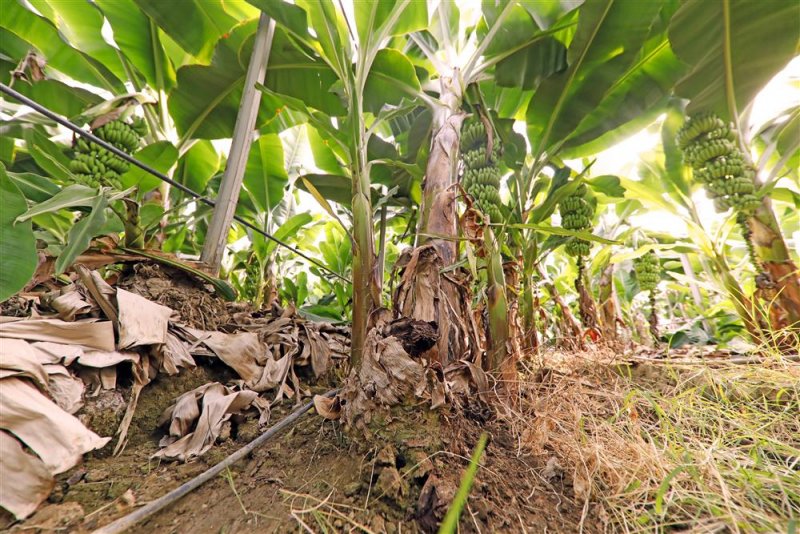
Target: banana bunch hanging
[576, 214]
[709, 146]
[481, 177]
[95, 166]
[648, 270]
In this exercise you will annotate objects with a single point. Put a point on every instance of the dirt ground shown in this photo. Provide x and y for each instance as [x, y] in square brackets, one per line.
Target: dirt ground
[584, 435]
[584, 447]
[314, 478]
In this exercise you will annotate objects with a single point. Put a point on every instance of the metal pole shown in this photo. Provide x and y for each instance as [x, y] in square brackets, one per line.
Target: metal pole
[228, 197]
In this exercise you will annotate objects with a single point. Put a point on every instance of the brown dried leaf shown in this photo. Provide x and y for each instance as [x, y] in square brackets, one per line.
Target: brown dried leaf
[386, 377]
[26, 480]
[427, 295]
[89, 332]
[328, 407]
[141, 322]
[581, 484]
[262, 405]
[101, 293]
[124, 425]
[247, 355]
[126, 500]
[175, 355]
[57, 353]
[57, 437]
[108, 377]
[65, 389]
[19, 358]
[100, 359]
[437, 392]
[320, 353]
[111, 115]
[182, 414]
[31, 68]
[218, 404]
[472, 227]
[553, 469]
[70, 303]
[243, 351]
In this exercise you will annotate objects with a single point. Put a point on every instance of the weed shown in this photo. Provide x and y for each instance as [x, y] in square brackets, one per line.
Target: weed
[693, 446]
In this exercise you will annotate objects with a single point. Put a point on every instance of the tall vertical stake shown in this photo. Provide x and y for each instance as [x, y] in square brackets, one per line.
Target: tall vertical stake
[217, 236]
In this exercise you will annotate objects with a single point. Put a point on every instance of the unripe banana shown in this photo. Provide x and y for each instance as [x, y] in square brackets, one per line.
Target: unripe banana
[648, 270]
[95, 166]
[481, 177]
[576, 215]
[708, 145]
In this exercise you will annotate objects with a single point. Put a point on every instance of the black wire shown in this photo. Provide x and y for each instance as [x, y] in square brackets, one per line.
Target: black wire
[127, 157]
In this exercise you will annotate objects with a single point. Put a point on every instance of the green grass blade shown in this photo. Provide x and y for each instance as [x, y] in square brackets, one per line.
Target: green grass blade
[450, 523]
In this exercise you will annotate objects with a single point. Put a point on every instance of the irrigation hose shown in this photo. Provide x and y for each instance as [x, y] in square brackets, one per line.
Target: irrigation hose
[124, 523]
[163, 177]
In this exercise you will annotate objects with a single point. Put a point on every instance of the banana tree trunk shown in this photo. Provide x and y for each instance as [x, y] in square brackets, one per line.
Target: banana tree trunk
[741, 302]
[134, 235]
[586, 304]
[438, 206]
[366, 286]
[269, 288]
[781, 291]
[572, 327]
[608, 308]
[424, 293]
[529, 306]
[653, 318]
[497, 305]
[508, 368]
[697, 297]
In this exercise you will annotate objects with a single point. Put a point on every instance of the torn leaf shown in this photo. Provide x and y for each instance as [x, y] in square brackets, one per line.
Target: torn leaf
[26, 480]
[88, 332]
[57, 437]
[218, 404]
[141, 322]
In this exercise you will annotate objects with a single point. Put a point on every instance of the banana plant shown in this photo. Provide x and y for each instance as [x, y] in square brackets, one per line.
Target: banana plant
[365, 74]
[664, 185]
[17, 239]
[742, 52]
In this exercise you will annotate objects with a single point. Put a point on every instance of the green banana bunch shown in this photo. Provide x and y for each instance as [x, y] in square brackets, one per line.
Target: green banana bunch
[576, 215]
[648, 270]
[94, 166]
[481, 178]
[709, 146]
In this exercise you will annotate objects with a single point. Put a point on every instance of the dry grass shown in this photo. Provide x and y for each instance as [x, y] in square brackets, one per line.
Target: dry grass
[326, 515]
[668, 447]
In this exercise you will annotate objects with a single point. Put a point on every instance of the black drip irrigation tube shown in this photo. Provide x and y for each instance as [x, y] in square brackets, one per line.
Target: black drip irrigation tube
[124, 523]
[163, 177]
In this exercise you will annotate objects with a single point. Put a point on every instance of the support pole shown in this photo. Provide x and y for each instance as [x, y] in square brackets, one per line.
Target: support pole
[19, 97]
[217, 236]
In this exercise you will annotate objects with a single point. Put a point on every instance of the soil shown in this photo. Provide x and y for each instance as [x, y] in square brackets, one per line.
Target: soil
[195, 303]
[316, 478]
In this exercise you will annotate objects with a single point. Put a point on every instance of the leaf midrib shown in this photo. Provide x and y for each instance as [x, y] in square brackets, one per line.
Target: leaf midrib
[730, 96]
[571, 78]
[620, 81]
[202, 117]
